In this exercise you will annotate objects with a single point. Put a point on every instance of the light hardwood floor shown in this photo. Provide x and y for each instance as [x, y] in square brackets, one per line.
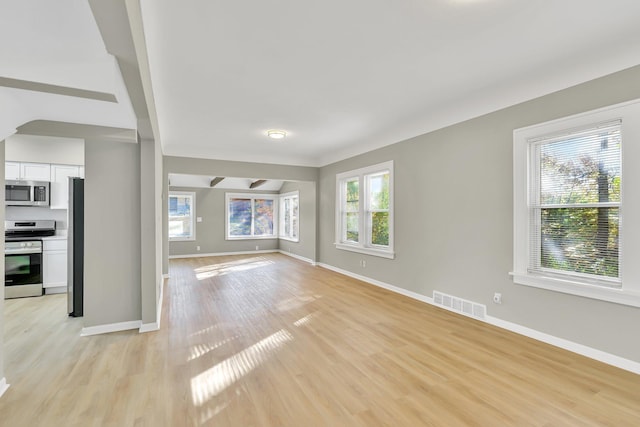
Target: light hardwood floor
[268, 340]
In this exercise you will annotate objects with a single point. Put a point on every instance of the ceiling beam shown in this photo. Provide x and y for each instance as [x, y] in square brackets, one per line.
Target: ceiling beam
[56, 90]
[258, 183]
[215, 181]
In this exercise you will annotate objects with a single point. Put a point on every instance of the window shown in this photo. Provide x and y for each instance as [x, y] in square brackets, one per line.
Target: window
[289, 216]
[569, 178]
[182, 209]
[251, 216]
[364, 210]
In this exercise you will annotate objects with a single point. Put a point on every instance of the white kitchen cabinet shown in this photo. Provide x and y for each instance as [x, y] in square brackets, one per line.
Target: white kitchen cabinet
[59, 190]
[81, 171]
[35, 171]
[54, 263]
[11, 170]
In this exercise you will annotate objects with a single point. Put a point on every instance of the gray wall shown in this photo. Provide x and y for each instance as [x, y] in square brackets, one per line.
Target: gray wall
[454, 220]
[112, 291]
[306, 246]
[210, 233]
[188, 165]
[151, 233]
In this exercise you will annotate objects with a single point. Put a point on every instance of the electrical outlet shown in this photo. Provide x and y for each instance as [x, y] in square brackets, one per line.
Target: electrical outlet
[197, 248]
[497, 298]
[257, 247]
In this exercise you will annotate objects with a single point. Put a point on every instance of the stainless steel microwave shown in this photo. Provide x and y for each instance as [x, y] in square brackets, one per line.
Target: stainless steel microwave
[26, 193]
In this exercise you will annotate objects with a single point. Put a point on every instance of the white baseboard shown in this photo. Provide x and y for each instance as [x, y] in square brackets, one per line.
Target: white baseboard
[301, 258]
[55, 290]
[154, 326]
[149, 327]
[592, 353]
[266, 251]
[3, 386]
[111, 327]
[378, 283]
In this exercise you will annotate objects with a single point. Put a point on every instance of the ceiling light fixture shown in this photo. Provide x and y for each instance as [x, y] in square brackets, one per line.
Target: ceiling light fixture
[276, 134]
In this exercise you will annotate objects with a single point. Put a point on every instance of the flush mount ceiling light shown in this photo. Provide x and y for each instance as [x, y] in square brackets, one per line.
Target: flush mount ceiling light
[276, 134]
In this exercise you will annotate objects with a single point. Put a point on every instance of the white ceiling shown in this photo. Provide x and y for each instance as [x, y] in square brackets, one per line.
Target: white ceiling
[57, 43]
[344, 77]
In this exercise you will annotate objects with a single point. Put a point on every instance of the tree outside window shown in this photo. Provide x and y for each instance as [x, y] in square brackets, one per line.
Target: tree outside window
[250, 216]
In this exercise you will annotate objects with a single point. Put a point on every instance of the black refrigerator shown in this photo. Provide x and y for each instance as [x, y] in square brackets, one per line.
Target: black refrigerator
[75, 248]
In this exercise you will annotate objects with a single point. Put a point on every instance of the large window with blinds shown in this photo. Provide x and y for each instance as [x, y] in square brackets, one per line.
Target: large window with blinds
[575, 203]
[364, 210]
[576, 222]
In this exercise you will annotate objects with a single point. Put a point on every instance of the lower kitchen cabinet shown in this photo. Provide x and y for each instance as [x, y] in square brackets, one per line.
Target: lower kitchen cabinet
[54, 263]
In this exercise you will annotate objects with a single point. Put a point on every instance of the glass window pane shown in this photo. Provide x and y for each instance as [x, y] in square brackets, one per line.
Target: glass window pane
[180, 221]
[352, 196]
[294, 217]
[352, 227]
[581, 168]
[581, 240]
[379, 191]
[240, 217]
[380, 228]
[287, 216]
[263, 220]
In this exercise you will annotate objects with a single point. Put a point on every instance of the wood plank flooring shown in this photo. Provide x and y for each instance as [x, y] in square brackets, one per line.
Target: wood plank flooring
[268, 340]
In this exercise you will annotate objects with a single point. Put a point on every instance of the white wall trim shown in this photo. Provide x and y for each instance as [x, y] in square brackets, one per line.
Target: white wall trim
[592, 353]
[155, 326]
[301, 258]
[3, 386]
[380, 284]
[111, 327]
[149, 327]
[266, 251]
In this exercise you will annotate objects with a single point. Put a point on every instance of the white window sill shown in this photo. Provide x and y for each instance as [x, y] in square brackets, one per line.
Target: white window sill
[250, 237]
[615, 295]
[182, 239]
[289, 239]
[368, 251]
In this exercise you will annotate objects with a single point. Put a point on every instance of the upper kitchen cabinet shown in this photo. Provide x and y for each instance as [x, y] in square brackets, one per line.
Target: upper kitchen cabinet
[60, 184]
[27, 171]
[11, 170]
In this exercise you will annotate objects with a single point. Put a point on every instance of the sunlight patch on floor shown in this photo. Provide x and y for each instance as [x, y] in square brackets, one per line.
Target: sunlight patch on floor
[200, 350]
[221, 269]
[211, 382]
[305, 320]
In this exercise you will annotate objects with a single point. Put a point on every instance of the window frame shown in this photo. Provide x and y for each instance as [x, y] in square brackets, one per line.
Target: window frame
[192, 195]
[364, 244]
[253, 197]
[627, 289]
[282, 227]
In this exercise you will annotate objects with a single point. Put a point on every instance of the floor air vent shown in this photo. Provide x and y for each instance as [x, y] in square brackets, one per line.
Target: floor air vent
[460, 305]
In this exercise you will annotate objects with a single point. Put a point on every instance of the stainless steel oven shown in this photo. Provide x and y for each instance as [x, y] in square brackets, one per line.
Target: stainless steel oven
[22, 268]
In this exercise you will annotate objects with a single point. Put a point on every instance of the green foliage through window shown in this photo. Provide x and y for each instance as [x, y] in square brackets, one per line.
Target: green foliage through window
[579, 192]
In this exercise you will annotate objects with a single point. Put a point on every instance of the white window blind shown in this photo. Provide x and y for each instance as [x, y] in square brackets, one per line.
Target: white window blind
[575, 203]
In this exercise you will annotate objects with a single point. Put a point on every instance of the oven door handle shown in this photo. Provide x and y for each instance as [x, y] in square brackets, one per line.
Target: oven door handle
[21, 251]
